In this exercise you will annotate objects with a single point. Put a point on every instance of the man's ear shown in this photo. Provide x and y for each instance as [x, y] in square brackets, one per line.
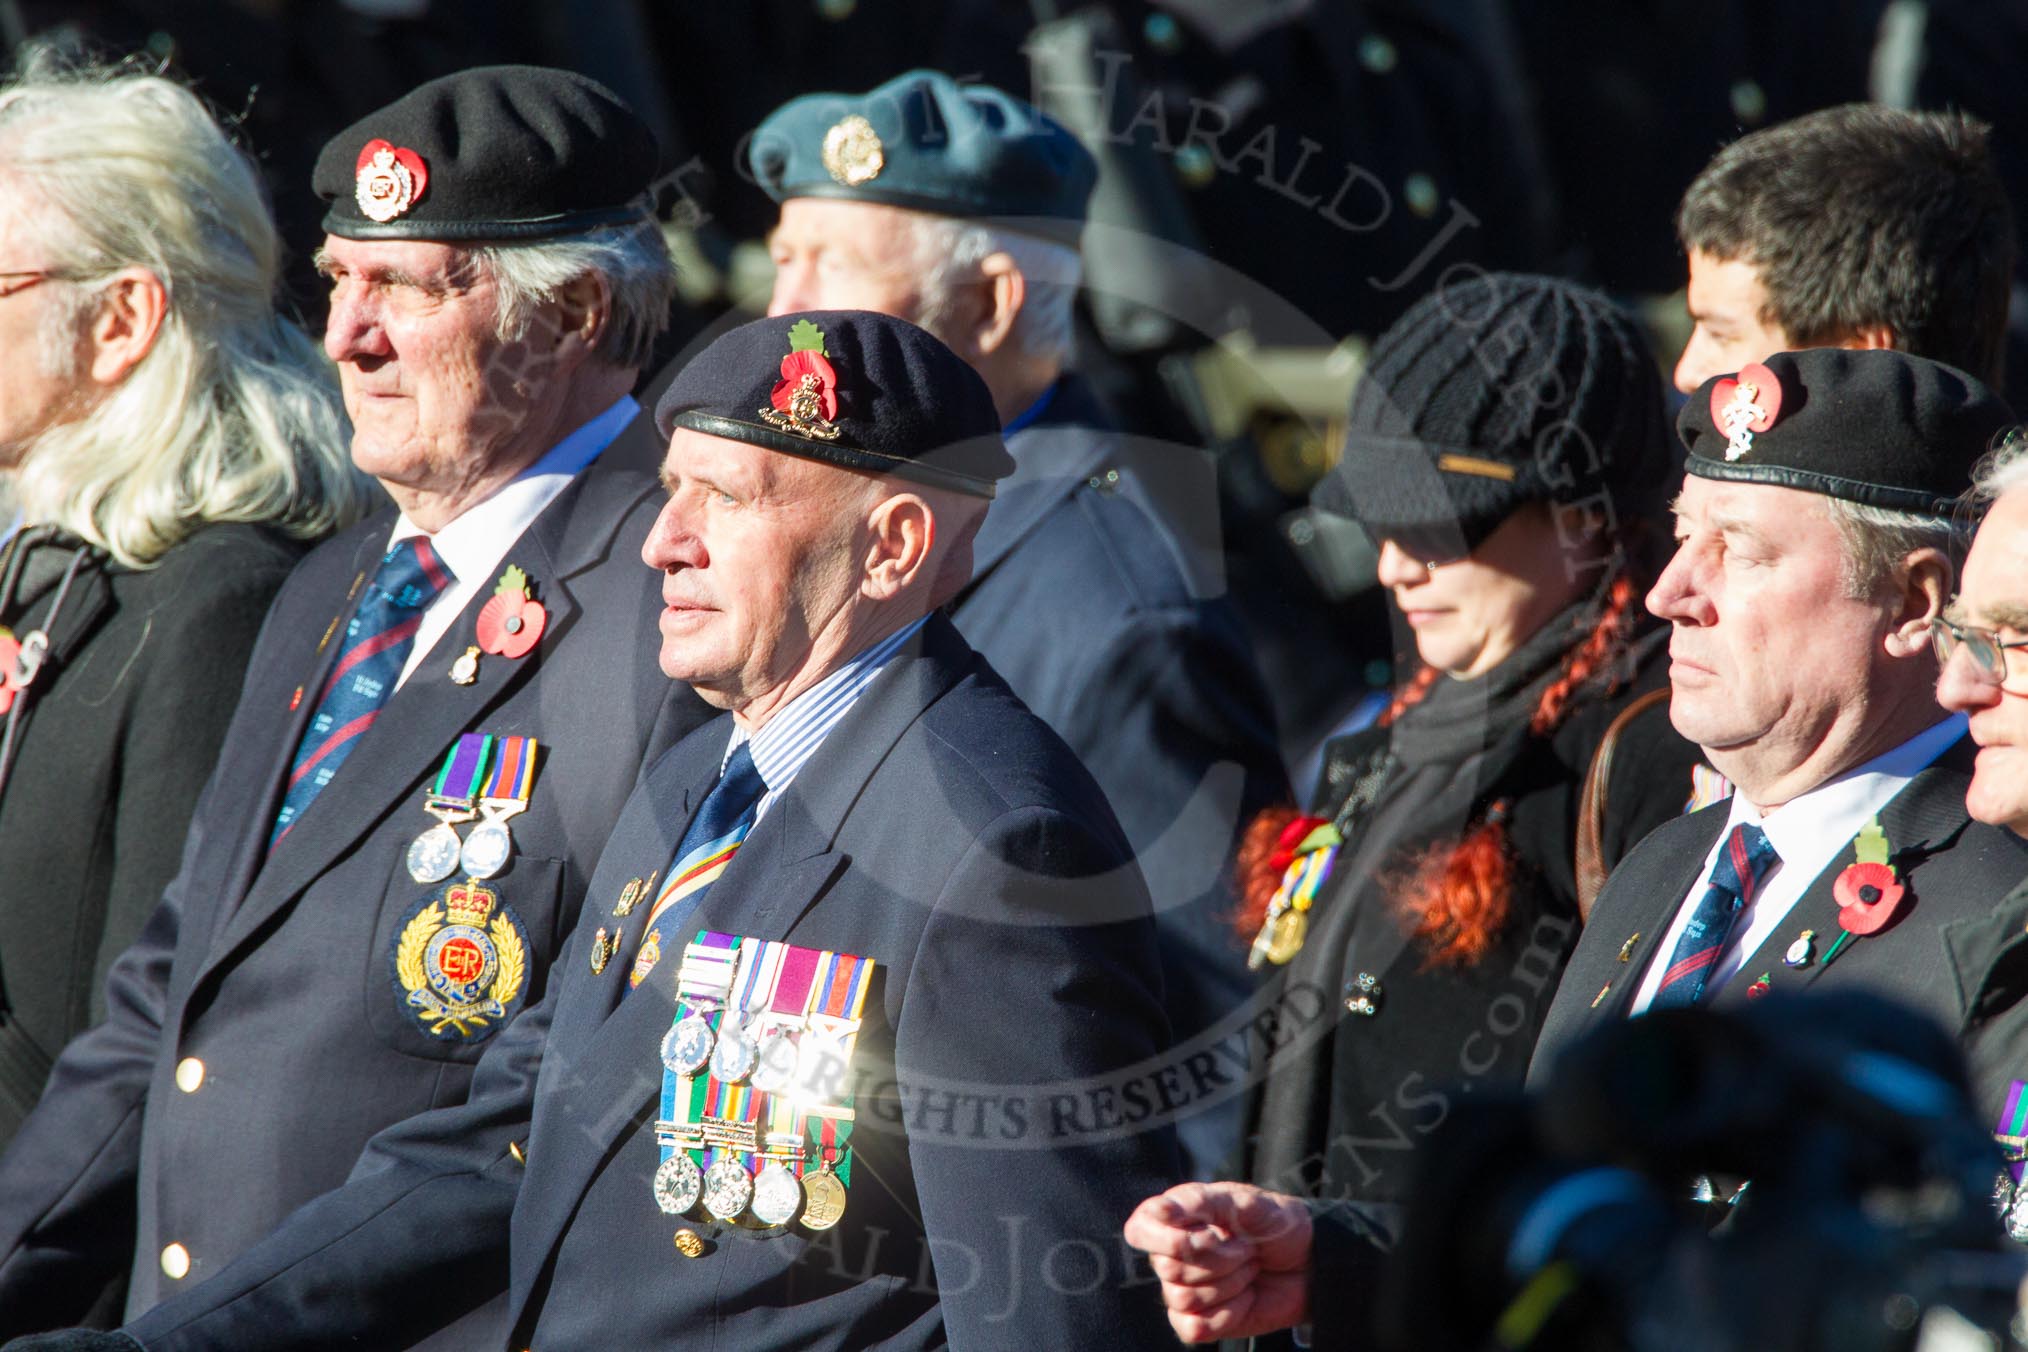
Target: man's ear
[1926, 583]
[130, 313]
[1002, 291]
[584, 310]
[904, 531]
[1869, 338]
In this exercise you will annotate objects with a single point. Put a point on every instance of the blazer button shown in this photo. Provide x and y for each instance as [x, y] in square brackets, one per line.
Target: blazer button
[189, 1074]
[176, 1262]
[688, 1244]
[1362, 995]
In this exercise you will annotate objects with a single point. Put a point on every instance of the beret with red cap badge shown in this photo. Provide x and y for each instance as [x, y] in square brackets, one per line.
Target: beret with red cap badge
[1879, 428]
[491, 153]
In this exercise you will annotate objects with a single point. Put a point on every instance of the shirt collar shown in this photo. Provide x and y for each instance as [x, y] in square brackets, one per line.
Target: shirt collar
[471, 543]
[788, 740]
[1800, 826]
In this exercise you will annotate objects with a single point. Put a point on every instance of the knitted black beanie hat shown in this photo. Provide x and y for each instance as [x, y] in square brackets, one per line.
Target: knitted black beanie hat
[1499, 391]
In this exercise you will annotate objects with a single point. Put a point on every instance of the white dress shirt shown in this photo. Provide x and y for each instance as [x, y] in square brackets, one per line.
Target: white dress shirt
[1808, 833]
[474, 544]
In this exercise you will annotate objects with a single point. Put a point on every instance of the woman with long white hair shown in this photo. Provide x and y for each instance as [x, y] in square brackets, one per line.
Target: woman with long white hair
[168, 445]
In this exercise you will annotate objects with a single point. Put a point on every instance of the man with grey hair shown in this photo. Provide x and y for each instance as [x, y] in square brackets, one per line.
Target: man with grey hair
[959, 208]
[445, 711]
[1982, 636]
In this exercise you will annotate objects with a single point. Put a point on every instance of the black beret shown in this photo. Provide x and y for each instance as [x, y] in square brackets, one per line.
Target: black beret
[1495, 392]
[1879, 428]
[492, 153]
[922, 140]
[850, 387]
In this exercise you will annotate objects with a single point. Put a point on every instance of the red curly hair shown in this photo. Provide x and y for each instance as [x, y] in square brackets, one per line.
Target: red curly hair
[1454, 894]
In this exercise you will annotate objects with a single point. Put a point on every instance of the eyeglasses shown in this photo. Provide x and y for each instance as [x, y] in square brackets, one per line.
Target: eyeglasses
[1983, 646]
[34, 278]
[1431, 546]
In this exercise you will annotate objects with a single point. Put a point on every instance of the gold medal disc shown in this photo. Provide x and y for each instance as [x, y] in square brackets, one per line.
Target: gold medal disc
[823, 1199]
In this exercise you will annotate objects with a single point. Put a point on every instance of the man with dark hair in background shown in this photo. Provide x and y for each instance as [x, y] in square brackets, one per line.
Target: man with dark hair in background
[1857, 226]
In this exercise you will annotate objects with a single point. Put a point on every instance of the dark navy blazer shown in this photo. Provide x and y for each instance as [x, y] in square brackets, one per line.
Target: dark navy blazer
[1092, 596]
[277, 971]
[942, 831]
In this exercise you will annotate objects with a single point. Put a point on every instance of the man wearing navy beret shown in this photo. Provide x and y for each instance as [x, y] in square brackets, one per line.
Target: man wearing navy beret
[446, 708]
[959, 208]
[840, 1051]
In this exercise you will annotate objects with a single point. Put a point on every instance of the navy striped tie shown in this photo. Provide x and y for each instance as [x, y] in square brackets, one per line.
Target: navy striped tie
[377, 645]
[1745, 860]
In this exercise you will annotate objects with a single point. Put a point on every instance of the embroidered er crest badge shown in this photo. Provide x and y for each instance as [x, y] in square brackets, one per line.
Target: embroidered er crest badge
[462, 961]
[389, 180]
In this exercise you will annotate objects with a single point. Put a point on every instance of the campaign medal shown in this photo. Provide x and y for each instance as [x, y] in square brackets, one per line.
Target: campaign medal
[1744, 404]
[489, 846]
[433, 855]
[2010, 1198]
[702, 984]
[774, 1070]
[1307, 848]
[737, 1053]
[511, 622]
[462, 959]
[679, 1183]
[823, 1198]
[805, 399]
[1800, 951]
[728, 1187]
[777, 1196]
[465, 670]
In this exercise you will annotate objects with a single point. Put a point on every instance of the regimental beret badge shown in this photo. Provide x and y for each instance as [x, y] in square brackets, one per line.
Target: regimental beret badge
[805, 399]
[390, 180]
[1744, 404]
[462, 961]
[852, 151]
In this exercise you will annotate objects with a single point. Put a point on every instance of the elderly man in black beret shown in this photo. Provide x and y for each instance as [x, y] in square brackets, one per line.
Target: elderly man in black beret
[843, 1048]
[959, 208]
[1816, 545]
[446, 708]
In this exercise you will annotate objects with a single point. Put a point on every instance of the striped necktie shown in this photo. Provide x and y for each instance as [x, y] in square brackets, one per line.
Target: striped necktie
[377, 645]
[1745, 860]
[713, 838]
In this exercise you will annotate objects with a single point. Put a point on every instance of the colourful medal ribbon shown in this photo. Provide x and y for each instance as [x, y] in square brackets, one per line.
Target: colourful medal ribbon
[702, 982]
[513, 776]
[2012, 1131]
[464, 767]
[787, 1011]
[842, 982]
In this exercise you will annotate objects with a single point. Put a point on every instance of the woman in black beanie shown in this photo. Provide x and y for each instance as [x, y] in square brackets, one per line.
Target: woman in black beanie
[1508, 454]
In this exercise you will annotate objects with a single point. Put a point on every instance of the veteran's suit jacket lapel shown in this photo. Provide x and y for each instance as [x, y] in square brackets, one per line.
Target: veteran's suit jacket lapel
[1649, 892]
[408, 739]
[1927, 816]
[603, 1047]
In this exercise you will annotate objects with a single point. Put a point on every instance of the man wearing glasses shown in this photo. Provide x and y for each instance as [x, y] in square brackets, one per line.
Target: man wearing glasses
[1981, 637]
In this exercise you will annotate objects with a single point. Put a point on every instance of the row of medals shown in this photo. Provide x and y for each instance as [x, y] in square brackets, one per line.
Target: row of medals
[728, 1191]
[438, 853]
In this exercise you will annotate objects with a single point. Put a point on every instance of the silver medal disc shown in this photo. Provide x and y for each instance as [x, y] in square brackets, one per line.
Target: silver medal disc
[728, 1187]
[732, 1060]
[433, 855]
[678, 1184]
[486, 849]
[686, 1047]
[2017, 1217]
[774, 1061]
[777, 1196]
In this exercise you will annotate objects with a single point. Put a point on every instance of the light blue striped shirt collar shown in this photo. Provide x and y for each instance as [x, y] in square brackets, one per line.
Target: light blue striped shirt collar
[786, 741]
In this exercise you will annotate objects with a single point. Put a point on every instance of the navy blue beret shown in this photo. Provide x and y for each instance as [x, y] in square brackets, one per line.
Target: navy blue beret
[1879, 428]
[922, 140]
[853, 388]
[491, 153]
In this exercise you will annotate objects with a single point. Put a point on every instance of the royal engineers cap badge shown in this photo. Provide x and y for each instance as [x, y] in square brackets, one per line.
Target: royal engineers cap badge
[389, 180]
[852, 151]
[1745, 404]
[462, 961]
[805, 399]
